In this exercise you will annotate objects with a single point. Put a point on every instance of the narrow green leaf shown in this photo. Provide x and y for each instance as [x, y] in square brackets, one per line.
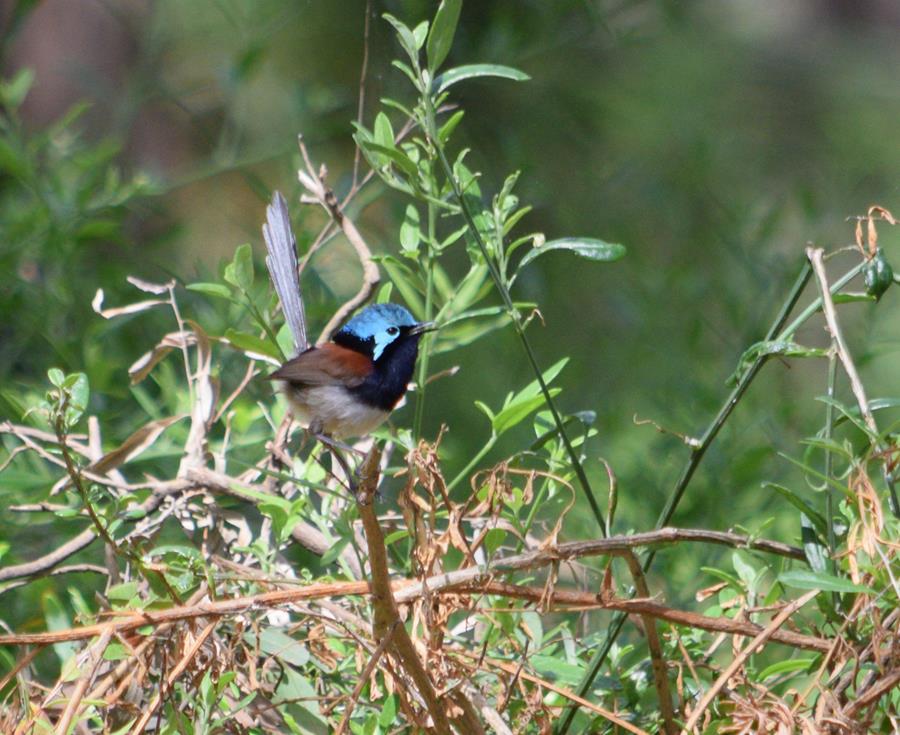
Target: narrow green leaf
[786, 667]
[766, 348]
[393, 155]
[585, 247]
[211, 289]
[817, 519]
[16, 89]
[335, 551]
[440, 39]
[519, 410]
[446, 130]
[806, 579]
[404, 36]
[410, 235]
[473, 71]
[239, 272]
[816, 552]
[247, 342]
[420, 34]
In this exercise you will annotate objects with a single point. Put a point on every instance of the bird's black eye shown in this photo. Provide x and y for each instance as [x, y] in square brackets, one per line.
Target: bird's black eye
[393, 331]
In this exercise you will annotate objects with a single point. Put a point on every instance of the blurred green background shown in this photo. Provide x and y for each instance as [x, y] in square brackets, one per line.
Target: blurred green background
[713, 138]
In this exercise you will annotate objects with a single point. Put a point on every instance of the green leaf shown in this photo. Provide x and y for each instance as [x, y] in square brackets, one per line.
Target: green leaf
[392, 154]
[57, 618]
[473, 71]
[585, 247]
[440, 39]
[556, 669]
[410, 235]
[15, 90]
[786, 667]
[816, 518]
[446, 130]
[239, 272]
[405, 36]
[335, 551]
[806, 579]
[420, 34]
[383, 131]
[247, 342]
[56, 377]
[211, 289]
[519, 410]
[816, 552]
[276, 643]
[388, 717]
[122, 592]
[766, 348]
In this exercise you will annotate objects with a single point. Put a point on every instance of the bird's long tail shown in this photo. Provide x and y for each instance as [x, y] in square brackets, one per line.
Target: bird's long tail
[282, 263]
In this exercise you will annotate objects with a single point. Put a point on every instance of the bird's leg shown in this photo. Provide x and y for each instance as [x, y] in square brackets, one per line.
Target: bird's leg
[336, 447]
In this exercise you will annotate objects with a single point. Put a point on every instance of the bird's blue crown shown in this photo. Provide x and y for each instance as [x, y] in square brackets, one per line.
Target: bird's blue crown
[380, 324]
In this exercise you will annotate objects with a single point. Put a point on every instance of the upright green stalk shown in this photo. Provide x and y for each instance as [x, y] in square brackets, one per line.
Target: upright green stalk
[503, 289]
[425, 350]
[618, 621]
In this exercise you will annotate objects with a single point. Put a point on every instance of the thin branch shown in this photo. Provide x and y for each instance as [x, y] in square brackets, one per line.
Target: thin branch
[387, 617]
[470, 579]
[570, 600]
[48, 561]
[738, 661]
[516, 670]
[85, 678]
[660, 675]
[185, 661]
[361, 102]
[314, 182]
[816, 256]
[364, 677]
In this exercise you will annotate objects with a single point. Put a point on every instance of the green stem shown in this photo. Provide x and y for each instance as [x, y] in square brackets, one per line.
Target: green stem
[615, 626]
[829, 491]
[425, 346]
[464, 472]
[513, 314]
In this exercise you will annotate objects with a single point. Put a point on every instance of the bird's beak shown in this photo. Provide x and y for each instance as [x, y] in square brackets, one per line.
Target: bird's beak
[423, 327]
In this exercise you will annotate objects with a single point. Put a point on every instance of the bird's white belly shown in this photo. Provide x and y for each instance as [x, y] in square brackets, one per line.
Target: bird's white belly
[332, 410]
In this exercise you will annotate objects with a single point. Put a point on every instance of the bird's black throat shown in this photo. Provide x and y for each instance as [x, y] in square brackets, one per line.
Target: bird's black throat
[387, 383]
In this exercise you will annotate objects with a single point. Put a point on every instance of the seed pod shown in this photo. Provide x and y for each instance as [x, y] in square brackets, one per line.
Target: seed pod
[878, 275]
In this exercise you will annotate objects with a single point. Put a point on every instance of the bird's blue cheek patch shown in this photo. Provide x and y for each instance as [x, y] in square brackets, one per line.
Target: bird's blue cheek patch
[382, 340]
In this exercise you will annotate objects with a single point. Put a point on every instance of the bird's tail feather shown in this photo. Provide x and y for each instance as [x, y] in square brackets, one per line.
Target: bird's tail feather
[282, 263]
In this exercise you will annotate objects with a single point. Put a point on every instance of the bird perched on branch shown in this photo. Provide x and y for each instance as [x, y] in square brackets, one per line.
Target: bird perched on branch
[348, 386]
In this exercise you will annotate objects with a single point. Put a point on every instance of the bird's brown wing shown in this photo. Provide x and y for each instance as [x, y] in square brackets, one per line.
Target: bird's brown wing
[327, 364]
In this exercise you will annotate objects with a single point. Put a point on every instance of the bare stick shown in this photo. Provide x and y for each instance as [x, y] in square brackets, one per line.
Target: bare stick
[660, 675]
[361, 102]
[185, 661]
[317, 191]
[84, 681]
[514, 669]
[405, 593]
[387, 617]
[576, 599]
[742, 657]
[363, 678]
[48, 561]
[816, 257]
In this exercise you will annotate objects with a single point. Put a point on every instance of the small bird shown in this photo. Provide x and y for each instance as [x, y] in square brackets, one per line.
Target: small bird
[347, 387]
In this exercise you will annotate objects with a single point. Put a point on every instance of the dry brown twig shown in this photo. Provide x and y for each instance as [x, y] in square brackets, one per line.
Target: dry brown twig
[738, 661]
[318, 192]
